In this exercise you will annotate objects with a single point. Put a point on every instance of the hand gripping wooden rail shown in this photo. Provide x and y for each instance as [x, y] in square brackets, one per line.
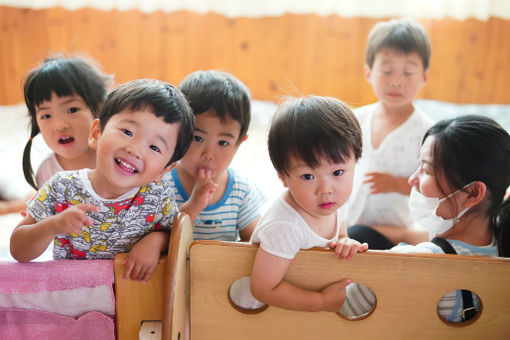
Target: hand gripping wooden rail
[407, 287]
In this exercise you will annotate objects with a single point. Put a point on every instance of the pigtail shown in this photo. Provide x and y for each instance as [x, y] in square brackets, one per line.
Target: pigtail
[500, 223]
[28, 172]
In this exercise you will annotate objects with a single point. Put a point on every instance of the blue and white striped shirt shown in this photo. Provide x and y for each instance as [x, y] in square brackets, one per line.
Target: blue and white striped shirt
[239, 206]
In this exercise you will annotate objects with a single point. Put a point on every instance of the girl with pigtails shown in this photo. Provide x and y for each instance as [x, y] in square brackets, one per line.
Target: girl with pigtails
[63, 97]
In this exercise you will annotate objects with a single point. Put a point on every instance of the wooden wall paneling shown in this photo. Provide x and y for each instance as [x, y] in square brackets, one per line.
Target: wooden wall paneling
[4, 57]
[99, 35]
[499, 68]
[274, 56]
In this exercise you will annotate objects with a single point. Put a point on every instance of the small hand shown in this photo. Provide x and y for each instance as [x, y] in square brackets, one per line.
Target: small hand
[74, 218]
[334, 295]
[203, 189]
[141, 261]
[347, 248]
[380, 182]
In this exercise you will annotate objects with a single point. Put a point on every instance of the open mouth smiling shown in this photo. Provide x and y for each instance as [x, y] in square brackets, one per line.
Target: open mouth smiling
[125, 166]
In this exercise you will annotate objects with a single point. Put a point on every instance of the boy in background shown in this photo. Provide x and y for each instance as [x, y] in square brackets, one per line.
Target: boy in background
[397, 63]
[222, 204]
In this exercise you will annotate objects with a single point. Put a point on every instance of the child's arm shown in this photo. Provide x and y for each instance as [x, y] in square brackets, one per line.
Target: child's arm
[246, 232]
[202, 192]
[144, 256]
[268, 286]
[14, 206]
[30, 238]
[381, 182]
[407, 235]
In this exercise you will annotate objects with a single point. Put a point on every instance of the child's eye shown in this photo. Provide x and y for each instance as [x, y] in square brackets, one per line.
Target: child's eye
[72, 110]
[223, 143]
[127, 132]
[386, 72]
[408, 73]
[338, 172]
[45, 116]
[307, 177]
[154, 147]
[197, 138]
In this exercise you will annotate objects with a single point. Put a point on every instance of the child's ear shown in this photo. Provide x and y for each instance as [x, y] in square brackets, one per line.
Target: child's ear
[426, 75]
[367, 71]
[94, 133]
[282, 178]
[165, 170]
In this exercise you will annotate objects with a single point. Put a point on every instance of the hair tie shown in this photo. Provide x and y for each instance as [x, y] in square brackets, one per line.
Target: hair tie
[30, 138]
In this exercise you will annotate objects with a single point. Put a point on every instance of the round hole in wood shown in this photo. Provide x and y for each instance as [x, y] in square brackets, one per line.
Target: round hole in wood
[239, 296]
[360, 302]
[453, 310]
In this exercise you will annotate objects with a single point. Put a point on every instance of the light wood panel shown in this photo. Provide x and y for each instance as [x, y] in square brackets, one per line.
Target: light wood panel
[135, 301]
[407, 288]
[274, 56]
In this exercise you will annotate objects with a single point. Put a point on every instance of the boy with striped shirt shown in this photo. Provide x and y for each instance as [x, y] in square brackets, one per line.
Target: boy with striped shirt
[222, 204]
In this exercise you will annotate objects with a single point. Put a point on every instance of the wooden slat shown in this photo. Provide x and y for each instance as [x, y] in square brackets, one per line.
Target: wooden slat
[176, 302]
[135, 301]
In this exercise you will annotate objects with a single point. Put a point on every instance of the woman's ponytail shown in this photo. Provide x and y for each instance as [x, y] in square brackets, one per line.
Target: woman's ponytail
[500, 223]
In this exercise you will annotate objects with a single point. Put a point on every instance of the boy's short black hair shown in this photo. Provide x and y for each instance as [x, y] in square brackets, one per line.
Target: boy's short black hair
[158, 97]
[403, 35]
[312, 127]
[221, 92]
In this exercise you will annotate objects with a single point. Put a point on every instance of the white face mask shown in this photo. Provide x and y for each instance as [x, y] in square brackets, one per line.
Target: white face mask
[424, 211]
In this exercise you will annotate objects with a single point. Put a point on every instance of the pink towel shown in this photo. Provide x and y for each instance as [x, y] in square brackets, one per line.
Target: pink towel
[65, 287]
[54, 275]
[23, 324]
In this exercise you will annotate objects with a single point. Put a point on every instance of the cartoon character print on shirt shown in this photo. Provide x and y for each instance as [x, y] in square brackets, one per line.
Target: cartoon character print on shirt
[117, 225]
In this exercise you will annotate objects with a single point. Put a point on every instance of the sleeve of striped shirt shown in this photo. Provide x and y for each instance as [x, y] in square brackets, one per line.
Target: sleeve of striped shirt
[359, 300]
[250, 206]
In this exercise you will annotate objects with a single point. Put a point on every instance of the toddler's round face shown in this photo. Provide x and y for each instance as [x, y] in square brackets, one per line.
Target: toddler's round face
[133, 150]
[65, 123]
[319, 191]
[214, 144]
[396, 77]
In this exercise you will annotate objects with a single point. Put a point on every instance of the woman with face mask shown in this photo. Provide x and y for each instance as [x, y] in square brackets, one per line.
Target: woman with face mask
[458, 196]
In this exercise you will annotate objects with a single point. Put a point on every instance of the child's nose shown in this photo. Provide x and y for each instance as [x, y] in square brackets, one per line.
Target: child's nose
[208, 153]
[61, 124]
[134, 150]
[396, 81]
[324, 189]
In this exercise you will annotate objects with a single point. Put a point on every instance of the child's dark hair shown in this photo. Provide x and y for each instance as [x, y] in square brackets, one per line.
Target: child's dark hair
[312, 127]
[64, 77]
[220, 91]
[158, 97]
[476, 148]
[402, 35]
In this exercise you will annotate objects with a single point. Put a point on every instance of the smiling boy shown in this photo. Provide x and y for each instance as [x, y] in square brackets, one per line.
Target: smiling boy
[123, 205]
